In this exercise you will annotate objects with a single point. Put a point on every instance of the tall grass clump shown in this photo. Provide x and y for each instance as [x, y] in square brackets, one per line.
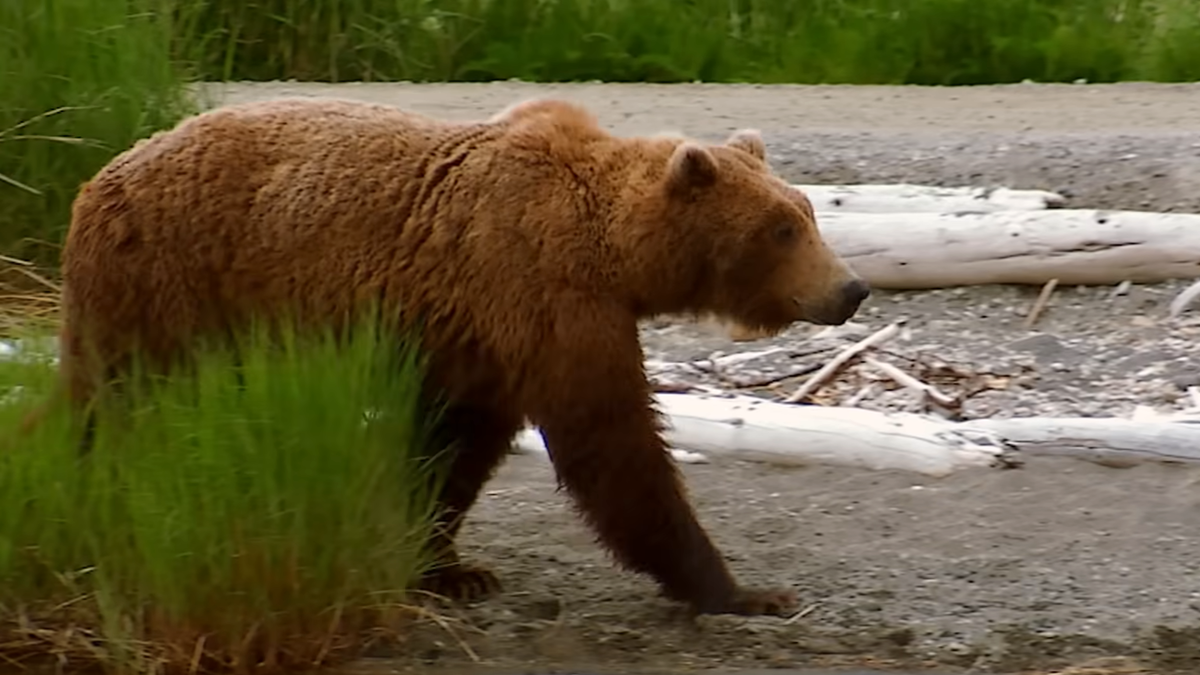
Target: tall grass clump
[941, 42]
[80, 80]
[266, 511]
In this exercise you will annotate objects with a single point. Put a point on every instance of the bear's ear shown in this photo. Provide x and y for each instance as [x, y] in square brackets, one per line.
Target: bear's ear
[748, 140]
[691, 166]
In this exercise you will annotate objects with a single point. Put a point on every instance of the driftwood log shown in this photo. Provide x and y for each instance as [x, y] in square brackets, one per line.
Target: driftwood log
[751, 428]
[701, 427]
[1076, 247]
[906, 198]
[1109, 441]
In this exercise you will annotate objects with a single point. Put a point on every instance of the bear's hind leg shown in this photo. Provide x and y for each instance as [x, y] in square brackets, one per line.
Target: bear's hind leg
[479, 440]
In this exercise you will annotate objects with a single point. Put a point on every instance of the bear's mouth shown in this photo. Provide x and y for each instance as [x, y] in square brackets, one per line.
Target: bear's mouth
[834, 314]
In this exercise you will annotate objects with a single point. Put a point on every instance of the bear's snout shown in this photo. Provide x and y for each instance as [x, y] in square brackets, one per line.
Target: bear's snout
[842, 304]
[854, 292]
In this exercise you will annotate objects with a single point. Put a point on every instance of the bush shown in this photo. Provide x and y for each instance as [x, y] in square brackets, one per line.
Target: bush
[832, 41]
[247, 514]
[81, 81]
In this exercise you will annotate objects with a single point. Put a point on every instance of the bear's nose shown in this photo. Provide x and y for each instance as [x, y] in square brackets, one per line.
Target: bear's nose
[855, 291]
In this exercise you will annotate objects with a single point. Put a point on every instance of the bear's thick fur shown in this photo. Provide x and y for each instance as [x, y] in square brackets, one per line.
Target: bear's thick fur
[527, 245]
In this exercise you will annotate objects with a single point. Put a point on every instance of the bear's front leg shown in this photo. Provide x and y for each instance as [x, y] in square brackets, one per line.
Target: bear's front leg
[593, 403]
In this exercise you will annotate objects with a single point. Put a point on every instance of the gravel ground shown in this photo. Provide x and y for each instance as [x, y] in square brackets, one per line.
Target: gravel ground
[1060, 564]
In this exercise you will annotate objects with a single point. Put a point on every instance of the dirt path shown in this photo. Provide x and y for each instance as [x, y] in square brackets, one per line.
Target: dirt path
[1060, 563]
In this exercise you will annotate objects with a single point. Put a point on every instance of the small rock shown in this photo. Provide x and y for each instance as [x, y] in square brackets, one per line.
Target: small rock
[1187, 379]
[958, 648]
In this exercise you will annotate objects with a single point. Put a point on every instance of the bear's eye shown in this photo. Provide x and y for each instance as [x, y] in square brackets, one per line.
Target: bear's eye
[784, 232]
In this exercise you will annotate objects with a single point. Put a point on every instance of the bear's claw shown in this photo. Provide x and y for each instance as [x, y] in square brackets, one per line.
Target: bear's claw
[462, 583]
[764, 601]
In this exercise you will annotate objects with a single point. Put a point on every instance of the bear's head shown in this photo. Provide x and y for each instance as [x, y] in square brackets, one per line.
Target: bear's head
[743, 244]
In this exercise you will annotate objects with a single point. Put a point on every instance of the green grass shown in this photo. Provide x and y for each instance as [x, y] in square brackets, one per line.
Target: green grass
[81, 80]
[250, 512]
[809, 41]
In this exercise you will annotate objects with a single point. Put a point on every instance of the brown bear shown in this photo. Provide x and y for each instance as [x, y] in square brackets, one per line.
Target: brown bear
[527, 246]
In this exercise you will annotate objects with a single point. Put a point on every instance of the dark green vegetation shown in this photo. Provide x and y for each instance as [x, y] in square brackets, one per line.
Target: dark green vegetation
[804, 41]
[81, 80]
[251, 513]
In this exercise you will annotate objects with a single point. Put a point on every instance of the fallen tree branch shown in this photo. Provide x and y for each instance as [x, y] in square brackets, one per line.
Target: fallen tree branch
[738, 358]
[843, 357]
[1077, 247]
[1040, 304]
[927, 391]
[768, 380]
[1185, 298]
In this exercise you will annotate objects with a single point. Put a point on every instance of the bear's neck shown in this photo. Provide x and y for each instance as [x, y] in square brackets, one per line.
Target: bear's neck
[659, 269]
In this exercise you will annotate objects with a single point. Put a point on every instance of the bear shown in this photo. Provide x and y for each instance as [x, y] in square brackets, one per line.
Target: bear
[527, 246]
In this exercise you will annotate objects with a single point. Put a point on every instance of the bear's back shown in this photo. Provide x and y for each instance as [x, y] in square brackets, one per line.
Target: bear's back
[311, 205]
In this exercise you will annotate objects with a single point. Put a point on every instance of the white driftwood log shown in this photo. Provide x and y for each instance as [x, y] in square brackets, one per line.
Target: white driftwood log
[754, 429]
[906, 198]
[750, 428]
[1077, 247]
[1109, 441]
